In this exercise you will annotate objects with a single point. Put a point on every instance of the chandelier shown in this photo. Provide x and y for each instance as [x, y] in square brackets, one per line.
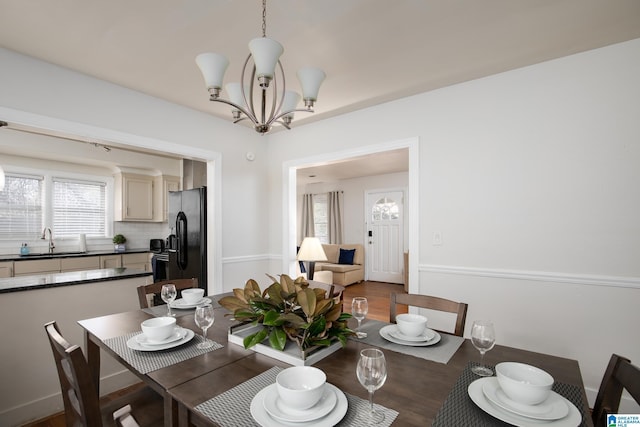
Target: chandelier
[271, 102]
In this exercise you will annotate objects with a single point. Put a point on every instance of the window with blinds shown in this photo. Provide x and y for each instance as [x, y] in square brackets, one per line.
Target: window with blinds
[78, 207]
[21, 207]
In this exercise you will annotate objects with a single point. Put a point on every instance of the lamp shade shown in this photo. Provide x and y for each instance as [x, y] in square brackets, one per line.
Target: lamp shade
[266, 53]
[311, 250]
[290, 101]
[310, 79]
[212, 66]
[235, 94]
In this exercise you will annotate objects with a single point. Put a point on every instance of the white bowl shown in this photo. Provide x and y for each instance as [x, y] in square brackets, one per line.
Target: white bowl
[192, 295]
[411, 325]
[300, 387]
[158, 328]
[524, 383]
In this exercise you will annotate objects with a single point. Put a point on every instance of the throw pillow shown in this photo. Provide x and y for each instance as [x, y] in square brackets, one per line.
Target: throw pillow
[346, 256]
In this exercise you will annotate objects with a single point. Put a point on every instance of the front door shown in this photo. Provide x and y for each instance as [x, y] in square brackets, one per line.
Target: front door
[384, 212]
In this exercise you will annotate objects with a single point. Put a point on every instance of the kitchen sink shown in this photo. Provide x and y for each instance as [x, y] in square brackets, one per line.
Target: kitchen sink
[50, 255]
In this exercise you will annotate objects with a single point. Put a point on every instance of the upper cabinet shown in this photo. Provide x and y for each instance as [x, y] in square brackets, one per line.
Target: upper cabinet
[164, 184]
[143, 197]
[133, 197]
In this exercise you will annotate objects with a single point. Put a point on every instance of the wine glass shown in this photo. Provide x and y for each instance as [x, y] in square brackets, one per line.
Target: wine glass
[359, 310]
[483, 337]
[372, 373]
[204, 319]
[169, 294]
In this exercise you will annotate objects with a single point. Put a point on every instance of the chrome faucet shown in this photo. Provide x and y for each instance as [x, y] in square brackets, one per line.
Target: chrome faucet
[44, 234]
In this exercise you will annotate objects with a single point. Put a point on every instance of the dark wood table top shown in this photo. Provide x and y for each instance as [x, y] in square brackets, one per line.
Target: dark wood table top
[415, 387]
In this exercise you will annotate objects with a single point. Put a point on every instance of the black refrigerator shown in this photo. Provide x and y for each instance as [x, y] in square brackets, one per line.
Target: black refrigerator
[187, 212]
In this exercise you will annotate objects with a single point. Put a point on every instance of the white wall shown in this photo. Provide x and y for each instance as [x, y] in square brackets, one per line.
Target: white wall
[532, 178]
[48, 91]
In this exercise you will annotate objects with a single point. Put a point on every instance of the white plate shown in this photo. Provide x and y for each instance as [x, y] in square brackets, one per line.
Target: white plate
[277, 409]
[178, 334]
[553, 408]
[573, 419]
[385, 332]
[263, 418]
[133, 343]
[181, 304]
[427, 335]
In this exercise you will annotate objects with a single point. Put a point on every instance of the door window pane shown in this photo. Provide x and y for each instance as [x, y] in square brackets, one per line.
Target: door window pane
[385, 209]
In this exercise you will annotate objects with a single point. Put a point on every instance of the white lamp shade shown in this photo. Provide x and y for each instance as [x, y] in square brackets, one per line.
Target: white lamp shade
[290, 101]
[235, 94]
[212, 66]
[1, 178]
[310, 79]
[266, 53]
[311, 250]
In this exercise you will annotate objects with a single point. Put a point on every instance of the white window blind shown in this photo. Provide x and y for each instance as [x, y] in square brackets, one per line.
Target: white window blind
[21, 207]
[78, 207]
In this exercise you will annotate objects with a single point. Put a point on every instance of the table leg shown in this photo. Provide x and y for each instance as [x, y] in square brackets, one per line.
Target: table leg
[93, 359]
[170, 411]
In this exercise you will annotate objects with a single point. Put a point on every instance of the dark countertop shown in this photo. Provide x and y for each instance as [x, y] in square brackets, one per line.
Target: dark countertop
[69, 254]
[39, 281]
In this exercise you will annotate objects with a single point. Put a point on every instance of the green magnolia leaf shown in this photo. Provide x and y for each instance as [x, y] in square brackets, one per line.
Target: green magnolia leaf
[243, 314]
[272, 318]
[253, 339]
[307, 301]
[317, 327]
[293, 319]
[344, 316]
[278, 338]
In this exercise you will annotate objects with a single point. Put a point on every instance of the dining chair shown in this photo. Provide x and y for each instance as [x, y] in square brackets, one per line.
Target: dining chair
[82, 405]
[151, 293]
[620, 375]
[431, 303]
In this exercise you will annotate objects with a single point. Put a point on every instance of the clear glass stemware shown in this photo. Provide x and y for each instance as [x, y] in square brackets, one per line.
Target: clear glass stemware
[168, 295]
[359, 310]
[372, 373]
[483, 337]
[204, 318]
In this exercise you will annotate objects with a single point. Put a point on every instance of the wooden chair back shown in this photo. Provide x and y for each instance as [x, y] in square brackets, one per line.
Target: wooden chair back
[431, 303]
[156, 287]
[619, 375]
[79, 394]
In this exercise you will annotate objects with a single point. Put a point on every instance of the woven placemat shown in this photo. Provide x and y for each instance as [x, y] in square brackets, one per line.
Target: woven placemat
[440, 352]
[459, 409]
[149, 361]
[232, 408]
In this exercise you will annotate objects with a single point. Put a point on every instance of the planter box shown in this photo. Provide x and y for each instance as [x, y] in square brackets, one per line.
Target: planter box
[291, 353]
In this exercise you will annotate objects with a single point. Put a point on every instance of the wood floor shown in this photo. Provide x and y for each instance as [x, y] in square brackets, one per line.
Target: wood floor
[377, 295]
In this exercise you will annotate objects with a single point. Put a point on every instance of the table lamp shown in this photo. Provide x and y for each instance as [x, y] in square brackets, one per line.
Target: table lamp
[311, 251]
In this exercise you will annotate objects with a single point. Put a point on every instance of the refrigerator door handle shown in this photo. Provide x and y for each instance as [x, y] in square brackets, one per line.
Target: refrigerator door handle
[181, 234]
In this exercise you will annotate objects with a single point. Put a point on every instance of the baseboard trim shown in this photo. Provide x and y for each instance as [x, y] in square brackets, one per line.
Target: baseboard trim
[540, 276]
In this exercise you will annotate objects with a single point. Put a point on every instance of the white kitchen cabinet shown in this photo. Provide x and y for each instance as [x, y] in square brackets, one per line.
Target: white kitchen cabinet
[140, 261]
[164, 184]
[6, 269]
[80, 263]
[37, 266]
[133, 197]
[110, 261]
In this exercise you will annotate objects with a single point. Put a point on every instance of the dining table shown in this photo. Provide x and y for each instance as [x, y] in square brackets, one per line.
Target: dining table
[219, 386]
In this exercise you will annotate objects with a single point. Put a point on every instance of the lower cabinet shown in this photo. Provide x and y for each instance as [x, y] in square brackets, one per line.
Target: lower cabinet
[140, 261]
[80, 263]
[6, 269]
[110, 261]
[38, 266]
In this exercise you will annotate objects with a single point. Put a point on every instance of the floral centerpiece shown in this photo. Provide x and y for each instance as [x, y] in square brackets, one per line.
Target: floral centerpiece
[289, 310]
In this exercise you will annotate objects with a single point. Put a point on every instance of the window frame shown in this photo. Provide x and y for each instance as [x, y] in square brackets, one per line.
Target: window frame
[47, 199]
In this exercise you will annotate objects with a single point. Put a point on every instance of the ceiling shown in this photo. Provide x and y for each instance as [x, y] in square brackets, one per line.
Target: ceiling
[373, 51]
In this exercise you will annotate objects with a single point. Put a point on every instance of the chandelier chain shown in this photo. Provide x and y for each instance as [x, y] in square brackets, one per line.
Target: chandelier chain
[264, 18]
